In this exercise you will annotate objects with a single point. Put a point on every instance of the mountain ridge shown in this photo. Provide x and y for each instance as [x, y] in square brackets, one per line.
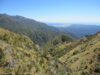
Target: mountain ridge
[39, 32]
[81, 30]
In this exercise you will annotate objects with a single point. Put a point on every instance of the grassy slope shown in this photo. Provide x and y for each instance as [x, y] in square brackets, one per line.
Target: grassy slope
[18, 54]
[84, 57]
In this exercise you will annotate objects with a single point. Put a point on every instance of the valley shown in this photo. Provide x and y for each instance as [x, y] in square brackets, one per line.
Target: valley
[28, 47]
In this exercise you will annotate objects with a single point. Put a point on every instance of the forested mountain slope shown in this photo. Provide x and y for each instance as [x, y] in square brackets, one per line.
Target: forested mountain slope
[39, 32]
[59, 39]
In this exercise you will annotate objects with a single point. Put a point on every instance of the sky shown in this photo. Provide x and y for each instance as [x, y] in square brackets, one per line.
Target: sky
[67, 11]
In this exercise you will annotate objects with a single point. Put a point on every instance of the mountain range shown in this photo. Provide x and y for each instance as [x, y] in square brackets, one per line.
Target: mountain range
[39, 32]
[29, 47]
[80, 30]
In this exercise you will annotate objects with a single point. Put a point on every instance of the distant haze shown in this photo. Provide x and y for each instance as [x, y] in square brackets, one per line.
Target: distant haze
[68, 24]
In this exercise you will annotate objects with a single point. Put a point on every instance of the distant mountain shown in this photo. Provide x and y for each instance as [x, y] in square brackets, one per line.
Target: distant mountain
[39, 32]
[80, 30]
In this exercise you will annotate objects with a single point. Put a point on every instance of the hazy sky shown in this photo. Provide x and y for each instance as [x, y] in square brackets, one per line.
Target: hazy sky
[54, 10]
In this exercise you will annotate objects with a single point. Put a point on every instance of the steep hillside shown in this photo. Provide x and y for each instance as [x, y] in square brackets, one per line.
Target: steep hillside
[83, 56]
[55, 42]
[20, 56]
[39, 32]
